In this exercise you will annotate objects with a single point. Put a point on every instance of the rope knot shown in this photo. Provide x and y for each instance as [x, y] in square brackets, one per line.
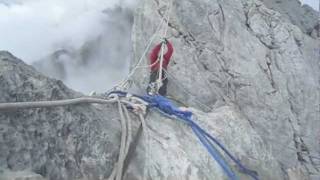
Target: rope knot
[139, 109]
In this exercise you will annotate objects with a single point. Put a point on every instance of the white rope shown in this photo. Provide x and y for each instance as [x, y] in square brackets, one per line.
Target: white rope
[147, 139]
[129, 128]
[45, 104]
[136, 66]
[159, 82]
[117, 169]
[150, 65]
[125, 120]
[139, 107]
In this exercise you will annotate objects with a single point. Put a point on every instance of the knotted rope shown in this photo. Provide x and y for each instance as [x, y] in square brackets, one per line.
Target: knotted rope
[138, 107]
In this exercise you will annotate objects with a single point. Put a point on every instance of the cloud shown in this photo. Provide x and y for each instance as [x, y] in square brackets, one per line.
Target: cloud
[313, 3]
[95, 36]
[32, 29]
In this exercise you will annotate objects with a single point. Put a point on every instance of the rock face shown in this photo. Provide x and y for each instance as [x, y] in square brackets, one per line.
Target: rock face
[58, 143]
[244, 55]
[173, 152]
[302, 16]
[81, 142]
[250, 77]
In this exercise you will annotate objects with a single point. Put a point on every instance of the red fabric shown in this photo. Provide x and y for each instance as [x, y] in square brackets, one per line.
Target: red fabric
[155, 54]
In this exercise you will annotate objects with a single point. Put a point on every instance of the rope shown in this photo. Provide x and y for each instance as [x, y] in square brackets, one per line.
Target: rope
[129, 136]
[150, 65]
[139, 107]
[117, 170]
[147, 138]
[214, 153]
[136, 66]
[138, 103]
[125, 120]
[45, 104]
[159, 83]
[122, 143]
[166, 107]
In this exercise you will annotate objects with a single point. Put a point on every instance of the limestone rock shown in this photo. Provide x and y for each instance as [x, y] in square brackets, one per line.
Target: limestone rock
[242, 54]
[81, 142]
[71, 142]
[172, 151]
[20, 175]
[249, 75]
[300, 15]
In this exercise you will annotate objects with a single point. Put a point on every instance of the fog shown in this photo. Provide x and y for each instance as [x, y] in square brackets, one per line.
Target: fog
[313, 3]
[85, 43]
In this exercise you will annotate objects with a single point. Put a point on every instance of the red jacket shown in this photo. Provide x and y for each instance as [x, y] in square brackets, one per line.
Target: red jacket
[166, 57]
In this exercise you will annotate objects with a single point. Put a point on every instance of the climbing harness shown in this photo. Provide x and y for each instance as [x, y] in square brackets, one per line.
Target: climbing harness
[167, 108]
[153, 88]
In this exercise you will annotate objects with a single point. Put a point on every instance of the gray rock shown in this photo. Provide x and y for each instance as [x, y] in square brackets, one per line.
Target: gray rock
[250, 77]
[81, 142]
[19, 175]
[172, 151]
[300, 15]
[244, 55]
[71, 142]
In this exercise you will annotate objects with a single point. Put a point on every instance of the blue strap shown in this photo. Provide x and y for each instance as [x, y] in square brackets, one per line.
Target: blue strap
[242, 168]
[214, 153]
[168, 108]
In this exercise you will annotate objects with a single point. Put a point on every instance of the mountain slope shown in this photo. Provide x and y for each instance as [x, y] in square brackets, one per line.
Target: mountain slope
[244, 55]
[248, 74]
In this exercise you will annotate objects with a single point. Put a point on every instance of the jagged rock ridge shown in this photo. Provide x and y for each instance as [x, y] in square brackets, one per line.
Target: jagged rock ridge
[58, 143]
[81, 142]
[258, 72]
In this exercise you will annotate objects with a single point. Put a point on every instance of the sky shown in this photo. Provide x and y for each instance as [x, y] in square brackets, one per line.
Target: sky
[312, 3]
[31, 29]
